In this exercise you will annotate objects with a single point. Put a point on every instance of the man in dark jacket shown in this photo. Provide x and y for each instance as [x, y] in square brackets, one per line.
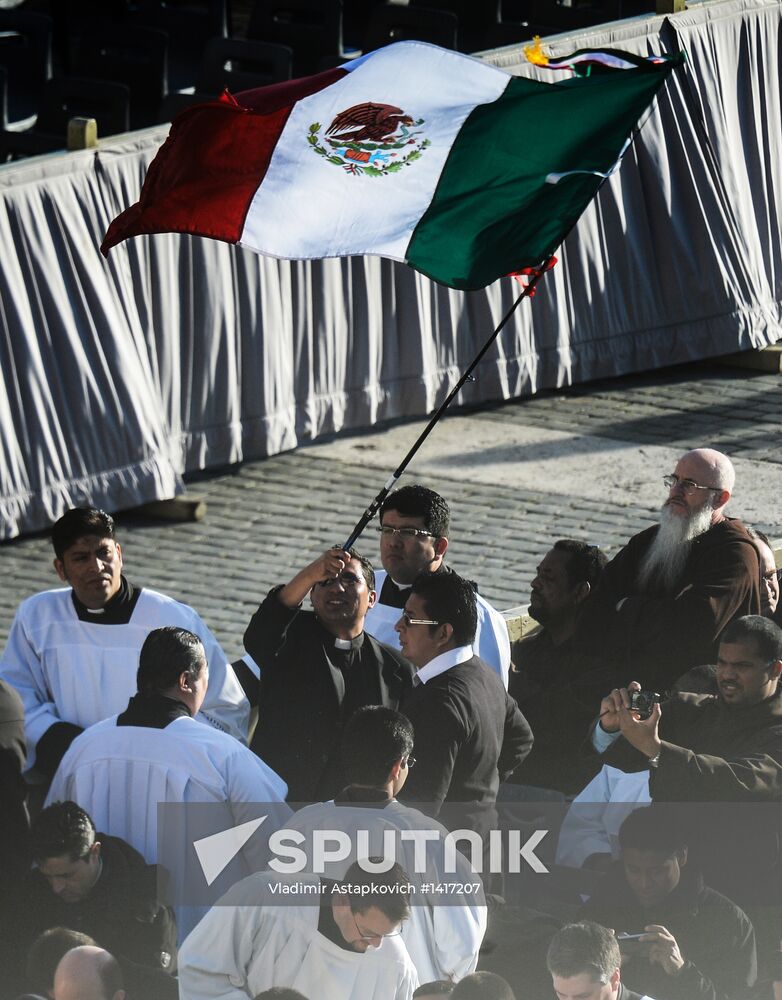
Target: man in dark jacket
[96, 884]
[555, 690]
[470, 734]
[696, 943]
[708, 748]
[318, 667]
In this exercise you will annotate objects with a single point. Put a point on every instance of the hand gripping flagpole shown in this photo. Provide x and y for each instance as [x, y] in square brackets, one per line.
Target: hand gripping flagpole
[528, 291]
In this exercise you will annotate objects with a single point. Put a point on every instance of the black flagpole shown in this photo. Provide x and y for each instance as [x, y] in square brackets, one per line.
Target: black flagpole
[373, 508]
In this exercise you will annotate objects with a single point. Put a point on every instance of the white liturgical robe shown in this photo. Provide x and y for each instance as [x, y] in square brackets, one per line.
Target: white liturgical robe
[119, 774]
[443, 940]
[69, 670]
[240, 949]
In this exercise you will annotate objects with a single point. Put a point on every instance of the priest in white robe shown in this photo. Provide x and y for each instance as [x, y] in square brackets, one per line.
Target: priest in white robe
[446, 927]
[155, 752]
[414, 529]
[312, 938]
[72, 652]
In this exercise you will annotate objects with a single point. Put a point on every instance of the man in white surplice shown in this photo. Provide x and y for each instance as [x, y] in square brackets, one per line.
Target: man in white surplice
[72, 652]
[329, 940]
[156, 752]
[444, 932]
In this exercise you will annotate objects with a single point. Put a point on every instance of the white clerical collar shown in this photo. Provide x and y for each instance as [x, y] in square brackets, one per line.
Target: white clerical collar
[343, 644]
[450, 658]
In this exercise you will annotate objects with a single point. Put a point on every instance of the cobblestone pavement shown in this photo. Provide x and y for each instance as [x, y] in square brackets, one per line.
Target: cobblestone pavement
[267, 518]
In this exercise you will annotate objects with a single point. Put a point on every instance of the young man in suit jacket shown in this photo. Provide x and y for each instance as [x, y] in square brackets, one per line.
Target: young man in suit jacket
[470, 734]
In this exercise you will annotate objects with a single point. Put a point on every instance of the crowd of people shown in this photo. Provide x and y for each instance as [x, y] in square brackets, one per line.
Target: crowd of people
[392, 779]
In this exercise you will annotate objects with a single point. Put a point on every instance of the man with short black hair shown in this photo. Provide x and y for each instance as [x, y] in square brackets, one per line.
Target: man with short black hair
[437, 988]
[665, 598]
[317, 668]
[72, 653]
[443, 935]
[549, 679]
[708, 748]
[585, 964]
[414, 536]
[482, 986]
[335, 940]
[96, 883]
[470, 734]
[155, 751]
[696, 943]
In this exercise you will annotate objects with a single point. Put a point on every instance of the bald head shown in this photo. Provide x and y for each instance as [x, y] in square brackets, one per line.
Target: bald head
[717, 469]
[707, 468]
[88, 973]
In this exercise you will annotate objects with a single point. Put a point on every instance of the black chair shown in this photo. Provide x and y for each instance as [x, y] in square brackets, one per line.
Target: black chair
[312, 28]
[582, 14]
[174, 104]
[394, 23]
[235, 64]
[133, 55]
[241, 64]
[26, 57]
[475, 19]
[64, 98]
[189, 24]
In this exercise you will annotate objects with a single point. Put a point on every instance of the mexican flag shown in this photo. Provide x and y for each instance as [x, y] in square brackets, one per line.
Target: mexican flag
[412, 152]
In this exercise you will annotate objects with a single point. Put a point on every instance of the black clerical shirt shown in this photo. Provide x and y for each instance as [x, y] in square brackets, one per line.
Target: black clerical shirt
[310, 685]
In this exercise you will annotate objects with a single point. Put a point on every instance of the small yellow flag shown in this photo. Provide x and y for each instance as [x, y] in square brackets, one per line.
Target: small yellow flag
[535, 53]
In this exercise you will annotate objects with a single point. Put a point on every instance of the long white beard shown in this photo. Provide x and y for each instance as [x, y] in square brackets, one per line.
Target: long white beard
[663, 564]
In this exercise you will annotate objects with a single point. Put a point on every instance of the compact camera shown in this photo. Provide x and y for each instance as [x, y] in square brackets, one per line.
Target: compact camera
[643, 702]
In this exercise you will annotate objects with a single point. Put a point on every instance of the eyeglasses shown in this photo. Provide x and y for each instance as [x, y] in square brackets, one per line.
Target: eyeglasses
[409, 762]
[346, 579]
[388, 532]
[417, 621]
[687, 485]
[373, 937]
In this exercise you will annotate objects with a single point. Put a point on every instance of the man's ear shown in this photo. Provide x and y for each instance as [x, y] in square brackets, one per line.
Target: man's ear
[440, 547]
[775, 669]
[119, 553]
[582, 591]
[59, 566]
[372, 599]
[396, 767]
[720, 499]
[681, 856]
[446, 630]
[615, 980]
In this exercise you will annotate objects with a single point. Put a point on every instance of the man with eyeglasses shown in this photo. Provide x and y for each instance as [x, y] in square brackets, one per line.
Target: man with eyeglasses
[413, 530]
[331, 940]
[317, 668]
[470, 734]
[443, 936]
[667, 595]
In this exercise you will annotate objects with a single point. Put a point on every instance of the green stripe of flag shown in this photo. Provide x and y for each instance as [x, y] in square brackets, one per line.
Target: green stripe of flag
[492, 211]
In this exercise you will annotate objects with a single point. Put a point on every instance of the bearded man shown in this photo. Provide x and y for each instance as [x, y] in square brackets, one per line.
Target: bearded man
[664, 599]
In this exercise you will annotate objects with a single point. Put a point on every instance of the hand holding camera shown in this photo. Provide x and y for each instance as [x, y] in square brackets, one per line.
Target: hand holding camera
[635, 714]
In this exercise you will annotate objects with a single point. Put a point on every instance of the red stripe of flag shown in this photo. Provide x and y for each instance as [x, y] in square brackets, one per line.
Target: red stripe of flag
[205, 175]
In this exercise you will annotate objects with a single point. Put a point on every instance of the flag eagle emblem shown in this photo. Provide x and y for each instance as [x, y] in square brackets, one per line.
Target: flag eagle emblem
[370, 139]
